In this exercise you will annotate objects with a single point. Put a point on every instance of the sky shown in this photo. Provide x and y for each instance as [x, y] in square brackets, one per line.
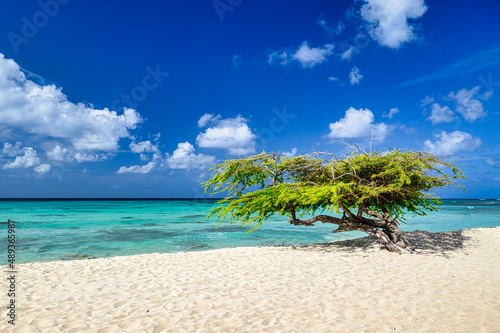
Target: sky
[134, 99]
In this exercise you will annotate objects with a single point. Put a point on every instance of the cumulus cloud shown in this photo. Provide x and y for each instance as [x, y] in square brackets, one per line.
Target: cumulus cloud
[42, 169]
[452, 143]
[10, 149]
[184, 157]
[143, 147]
[44, 112]
[358, 124]
[312, 56]
[355, 76]
[63, 154]
[84, 157]
[207, 118]
[232, 134]
[441, 114]
[333, 78]
[468, 106]
[307, 56]
[27, 160]
[59, 153]
[290, 153]
[391, 113]
[388, 20]
[138, 168]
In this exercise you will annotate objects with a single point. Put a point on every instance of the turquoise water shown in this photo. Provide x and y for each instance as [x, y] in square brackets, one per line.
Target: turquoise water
[62, 230]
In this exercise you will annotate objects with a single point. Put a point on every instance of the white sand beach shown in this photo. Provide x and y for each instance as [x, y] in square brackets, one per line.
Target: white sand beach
[453, 285]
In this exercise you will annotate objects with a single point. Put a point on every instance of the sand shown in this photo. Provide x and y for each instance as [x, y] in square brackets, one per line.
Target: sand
[453, 285]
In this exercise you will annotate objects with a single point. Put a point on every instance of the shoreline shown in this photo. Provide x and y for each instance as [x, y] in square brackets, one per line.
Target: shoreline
[453, 285]
[417, 238]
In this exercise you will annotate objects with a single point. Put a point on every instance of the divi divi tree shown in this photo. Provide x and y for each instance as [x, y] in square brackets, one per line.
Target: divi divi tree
[369, 192]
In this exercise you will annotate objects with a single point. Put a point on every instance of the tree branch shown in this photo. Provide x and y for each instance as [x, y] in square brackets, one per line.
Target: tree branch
[351, 215]
[360, 210]
[322, 218]
[292, 210]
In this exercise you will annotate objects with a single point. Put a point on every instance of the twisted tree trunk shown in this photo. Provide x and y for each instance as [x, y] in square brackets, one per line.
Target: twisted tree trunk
[382, 227]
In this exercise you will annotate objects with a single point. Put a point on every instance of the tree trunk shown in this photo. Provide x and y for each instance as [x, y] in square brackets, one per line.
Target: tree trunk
[382, 227]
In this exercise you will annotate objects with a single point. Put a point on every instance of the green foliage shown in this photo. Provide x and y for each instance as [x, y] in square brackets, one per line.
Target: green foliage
[394, 182]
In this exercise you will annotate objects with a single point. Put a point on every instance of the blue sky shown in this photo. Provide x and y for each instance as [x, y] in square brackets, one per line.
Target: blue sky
[134, 99]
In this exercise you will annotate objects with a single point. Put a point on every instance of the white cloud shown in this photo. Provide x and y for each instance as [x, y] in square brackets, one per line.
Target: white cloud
[84, 157]
[207, 118]
[470, 108]
[143, 147]
[441, 114]
[451, 143]
[347, 54]
[12, 150]
[290, 153]
[184, 157]
[427, 100]
[44, 111]
[486, 95]
[147, 168]
[28, 160]
[59, 154]
[62, 154]
[490, 162]
[280, 57]
[232, 134]
[310, 57]
[391, 113]
[358, 124]
[25, 158]
[333, 78]
[355, 76]
[331, 30]
[307, 56]
[42, 169]
[388, 20]
[138, 168]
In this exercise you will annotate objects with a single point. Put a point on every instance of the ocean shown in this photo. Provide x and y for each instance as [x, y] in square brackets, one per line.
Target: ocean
[48, 230]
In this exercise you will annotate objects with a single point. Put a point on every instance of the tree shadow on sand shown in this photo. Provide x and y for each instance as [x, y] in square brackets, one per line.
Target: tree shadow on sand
[424, 242]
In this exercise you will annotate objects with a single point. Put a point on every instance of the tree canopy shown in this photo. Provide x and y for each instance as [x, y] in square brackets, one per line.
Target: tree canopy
[372, 190]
